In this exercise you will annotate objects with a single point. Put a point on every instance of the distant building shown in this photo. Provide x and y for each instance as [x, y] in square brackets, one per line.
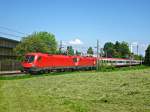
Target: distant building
[6, 48]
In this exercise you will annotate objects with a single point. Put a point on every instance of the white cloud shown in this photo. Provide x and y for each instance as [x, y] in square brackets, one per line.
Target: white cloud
[76, 42]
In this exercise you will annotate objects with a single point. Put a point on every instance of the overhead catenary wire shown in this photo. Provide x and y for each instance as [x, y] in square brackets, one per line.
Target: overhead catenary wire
[9, 34]
[12, 30]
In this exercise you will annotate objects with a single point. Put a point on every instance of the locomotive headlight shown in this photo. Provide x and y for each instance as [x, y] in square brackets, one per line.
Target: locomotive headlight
[33, 65]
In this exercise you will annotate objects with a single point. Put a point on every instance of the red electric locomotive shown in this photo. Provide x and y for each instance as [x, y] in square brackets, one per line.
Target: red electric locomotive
[39, 62]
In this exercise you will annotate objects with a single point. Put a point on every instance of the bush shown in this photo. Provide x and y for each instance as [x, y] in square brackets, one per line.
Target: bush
[104, 66]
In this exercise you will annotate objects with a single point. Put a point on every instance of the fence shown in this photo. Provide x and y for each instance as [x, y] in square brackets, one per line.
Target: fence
[9, 65]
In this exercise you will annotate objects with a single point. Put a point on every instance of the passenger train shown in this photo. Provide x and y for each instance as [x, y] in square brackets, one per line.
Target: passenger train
[44, 63]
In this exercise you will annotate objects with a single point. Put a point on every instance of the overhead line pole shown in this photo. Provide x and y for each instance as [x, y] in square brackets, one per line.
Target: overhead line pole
[97, 60]
[60, 47]
[131, 53]
[137, 49]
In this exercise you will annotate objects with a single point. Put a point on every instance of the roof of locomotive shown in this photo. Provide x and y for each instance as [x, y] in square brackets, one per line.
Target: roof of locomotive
[57, 55]
[33, 53]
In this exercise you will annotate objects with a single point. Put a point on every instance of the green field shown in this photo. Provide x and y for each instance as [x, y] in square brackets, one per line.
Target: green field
[89, 91]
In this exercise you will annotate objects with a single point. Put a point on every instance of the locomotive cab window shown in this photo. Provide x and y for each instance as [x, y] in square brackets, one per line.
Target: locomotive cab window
[39, 58]
[75, 60]
[29, 58]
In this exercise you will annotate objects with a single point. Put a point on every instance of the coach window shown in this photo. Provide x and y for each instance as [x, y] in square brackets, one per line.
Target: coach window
[114, 61]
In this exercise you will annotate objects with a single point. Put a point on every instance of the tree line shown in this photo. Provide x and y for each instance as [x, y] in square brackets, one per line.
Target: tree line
[45, 42]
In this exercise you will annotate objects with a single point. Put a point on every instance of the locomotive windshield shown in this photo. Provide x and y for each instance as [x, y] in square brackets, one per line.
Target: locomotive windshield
[29, 58]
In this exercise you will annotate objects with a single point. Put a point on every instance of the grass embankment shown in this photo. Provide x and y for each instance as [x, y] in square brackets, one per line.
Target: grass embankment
[118, 91]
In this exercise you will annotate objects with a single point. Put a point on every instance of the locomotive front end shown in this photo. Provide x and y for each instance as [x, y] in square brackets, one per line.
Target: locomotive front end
[29, 63]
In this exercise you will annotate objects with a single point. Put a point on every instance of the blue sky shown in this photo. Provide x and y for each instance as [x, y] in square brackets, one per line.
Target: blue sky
[84, 20]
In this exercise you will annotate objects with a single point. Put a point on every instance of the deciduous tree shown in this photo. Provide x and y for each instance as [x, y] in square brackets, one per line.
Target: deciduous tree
[78, 53]
[109, 49]
[70, 50]
[43, 42]
[90, 51]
